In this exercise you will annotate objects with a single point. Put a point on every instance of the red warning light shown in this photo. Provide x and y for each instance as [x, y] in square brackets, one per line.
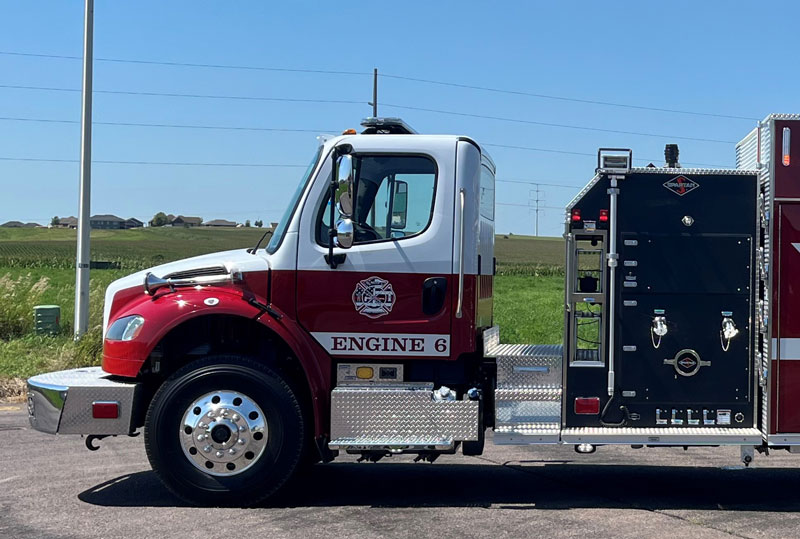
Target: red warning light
[603, 216]
[576, 215]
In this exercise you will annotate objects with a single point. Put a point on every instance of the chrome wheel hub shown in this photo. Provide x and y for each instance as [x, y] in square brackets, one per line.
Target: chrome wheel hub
[223, 433]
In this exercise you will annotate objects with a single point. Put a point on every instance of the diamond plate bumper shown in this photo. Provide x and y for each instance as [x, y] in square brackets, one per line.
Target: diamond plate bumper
[61, 402]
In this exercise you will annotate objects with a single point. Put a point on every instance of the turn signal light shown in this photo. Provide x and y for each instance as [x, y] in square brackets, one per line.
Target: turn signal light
[603, 216]
[349, 132]
[576, 215]
[105, 410]
[587, 405]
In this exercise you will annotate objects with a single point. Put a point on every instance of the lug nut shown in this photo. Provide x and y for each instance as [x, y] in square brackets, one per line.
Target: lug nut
[211, 414]
[201, 437]
[207, 449]
[242, 441]
[201, 425]
[241, 428]
[219, 454]
[224, 413]
[231, 451]
[235, 417]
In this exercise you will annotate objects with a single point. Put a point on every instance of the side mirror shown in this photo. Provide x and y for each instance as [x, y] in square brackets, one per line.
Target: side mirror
[344, 233]
[400, 205]
[344, 185]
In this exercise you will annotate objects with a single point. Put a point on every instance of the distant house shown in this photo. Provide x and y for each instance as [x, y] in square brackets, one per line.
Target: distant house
[220, 223]
[13, 224]
[32, 225]
[106, 222]
[68, 222]
[186, 221]
[132, 222]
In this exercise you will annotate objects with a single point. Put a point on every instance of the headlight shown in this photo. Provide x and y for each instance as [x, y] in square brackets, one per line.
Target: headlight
[126, 328]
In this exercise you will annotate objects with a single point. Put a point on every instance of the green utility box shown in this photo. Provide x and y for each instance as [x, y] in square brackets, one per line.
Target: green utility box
[47, 319]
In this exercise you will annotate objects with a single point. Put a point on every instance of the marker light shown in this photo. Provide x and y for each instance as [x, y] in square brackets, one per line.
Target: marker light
[576, 215]
[787, 137]
[587, 405]
[603, 216]
[105, 410]
[349, 132]
[364, 373]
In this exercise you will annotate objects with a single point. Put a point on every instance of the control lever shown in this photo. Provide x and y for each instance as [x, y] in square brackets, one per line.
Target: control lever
[659, 327]
[728, 331]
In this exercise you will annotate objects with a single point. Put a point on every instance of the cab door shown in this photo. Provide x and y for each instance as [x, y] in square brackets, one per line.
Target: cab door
[391, 293]
[787, 345]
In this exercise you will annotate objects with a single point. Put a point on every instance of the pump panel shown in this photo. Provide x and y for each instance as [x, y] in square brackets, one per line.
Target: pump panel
[679, 302]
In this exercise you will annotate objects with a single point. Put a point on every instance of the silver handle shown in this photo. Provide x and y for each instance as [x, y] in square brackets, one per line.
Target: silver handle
[460, 304]
[520, 368]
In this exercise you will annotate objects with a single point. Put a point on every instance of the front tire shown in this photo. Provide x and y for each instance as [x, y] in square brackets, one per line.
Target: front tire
[224, 430]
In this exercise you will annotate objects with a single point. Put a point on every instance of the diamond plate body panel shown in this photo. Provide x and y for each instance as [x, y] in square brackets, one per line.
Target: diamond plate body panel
[522, 366]
[518, 412]
[528, 394]
[491, 340]
[403, 415]
[80, 388]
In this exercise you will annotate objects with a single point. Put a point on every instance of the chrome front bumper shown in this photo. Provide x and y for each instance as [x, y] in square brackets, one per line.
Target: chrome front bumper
[62, 402]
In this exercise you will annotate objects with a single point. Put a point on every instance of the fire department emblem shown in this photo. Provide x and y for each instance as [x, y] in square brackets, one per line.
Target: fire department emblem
[680, 185]
[373, 297]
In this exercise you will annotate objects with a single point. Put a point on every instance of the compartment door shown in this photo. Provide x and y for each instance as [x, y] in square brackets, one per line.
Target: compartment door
[787, 345]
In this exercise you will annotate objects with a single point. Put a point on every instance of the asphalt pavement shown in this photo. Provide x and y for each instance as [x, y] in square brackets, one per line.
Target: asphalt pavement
[52, 486]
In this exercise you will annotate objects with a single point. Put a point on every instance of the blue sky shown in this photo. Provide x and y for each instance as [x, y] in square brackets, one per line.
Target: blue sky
[729, 58]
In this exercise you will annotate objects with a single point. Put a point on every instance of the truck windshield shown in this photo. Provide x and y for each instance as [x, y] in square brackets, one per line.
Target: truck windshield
[280, 230]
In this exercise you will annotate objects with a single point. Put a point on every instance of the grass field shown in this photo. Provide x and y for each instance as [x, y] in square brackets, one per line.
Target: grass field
[36, 268]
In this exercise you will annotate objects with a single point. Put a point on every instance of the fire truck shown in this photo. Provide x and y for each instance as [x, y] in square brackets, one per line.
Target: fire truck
[365, 325]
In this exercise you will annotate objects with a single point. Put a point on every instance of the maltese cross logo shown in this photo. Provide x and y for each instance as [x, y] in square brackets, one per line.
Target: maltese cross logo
[373, 297]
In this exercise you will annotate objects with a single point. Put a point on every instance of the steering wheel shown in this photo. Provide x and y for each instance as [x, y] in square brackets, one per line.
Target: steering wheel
[364, 232]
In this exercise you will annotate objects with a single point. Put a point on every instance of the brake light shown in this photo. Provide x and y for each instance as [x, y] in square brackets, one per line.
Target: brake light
[603, 216]
[787, 138]
[576, 215]
[587, 405]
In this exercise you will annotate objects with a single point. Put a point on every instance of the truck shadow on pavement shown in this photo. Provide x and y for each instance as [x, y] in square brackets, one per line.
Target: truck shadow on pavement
[511, 486]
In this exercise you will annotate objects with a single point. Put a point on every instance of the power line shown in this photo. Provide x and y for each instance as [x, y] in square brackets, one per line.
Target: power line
[388, 76]
[178, 126]
[189, 64]
[527, 182]
[547, 124]
[528, 206]
[563, 98]
[194, 96]
[357, 102]
[548, 150]
[172, 163]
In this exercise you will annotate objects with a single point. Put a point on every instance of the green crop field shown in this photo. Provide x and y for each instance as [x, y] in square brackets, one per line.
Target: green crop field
[36, 268]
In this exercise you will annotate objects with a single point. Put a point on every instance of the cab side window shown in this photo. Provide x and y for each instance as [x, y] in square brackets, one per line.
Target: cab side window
[394, 196]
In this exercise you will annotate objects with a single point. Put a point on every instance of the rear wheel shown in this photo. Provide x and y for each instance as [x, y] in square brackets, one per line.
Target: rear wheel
[225, 430]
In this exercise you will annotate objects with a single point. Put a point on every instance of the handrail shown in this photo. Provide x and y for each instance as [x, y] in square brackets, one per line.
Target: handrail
[460, 304]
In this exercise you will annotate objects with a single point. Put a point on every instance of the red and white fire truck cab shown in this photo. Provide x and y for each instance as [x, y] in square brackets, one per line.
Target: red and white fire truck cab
[365, 324]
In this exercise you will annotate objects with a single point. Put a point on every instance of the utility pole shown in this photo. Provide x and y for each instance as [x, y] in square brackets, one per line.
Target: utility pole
[374, 101]
[536, 201]
[84, 204]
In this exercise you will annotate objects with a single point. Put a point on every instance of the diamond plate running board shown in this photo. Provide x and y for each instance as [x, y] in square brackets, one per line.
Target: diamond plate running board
[662, 436]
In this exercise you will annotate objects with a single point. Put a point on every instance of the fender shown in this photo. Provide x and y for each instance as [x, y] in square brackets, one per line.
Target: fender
[166, 311]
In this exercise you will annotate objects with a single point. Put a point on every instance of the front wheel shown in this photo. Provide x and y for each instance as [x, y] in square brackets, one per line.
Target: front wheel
[225, 430]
